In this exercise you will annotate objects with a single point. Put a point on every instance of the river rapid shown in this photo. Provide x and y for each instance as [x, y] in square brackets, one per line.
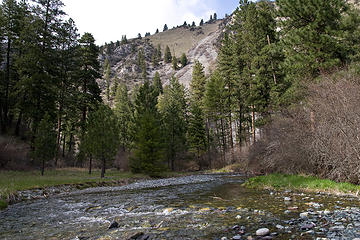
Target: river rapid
[191, 207]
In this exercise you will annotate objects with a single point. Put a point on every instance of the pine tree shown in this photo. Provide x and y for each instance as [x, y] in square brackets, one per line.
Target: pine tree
[157, 31]
[215, 108]
[172, 107]
[148, 142]
[159, 55]
[67, 92]
[185, 24]
[114, 88]
[165, 28]
[45, 142]
[124, 112]
[183, 60]
[215, 16]
[311, 35]
[107, 76]
[12, 15]
[102, 136]
[167, 55]
[196, 135]
[139, 36]
[37, 65]
[197, 85]
[175, 63]
[201, 22]
[193, 24]
[124, 40]
[88, 73]
[157, 83]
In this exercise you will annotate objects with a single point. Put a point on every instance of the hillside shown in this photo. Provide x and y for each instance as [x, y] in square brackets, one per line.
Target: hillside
[198, 43]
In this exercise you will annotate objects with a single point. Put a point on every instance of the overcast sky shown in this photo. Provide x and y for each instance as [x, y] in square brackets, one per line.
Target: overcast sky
[108, 20]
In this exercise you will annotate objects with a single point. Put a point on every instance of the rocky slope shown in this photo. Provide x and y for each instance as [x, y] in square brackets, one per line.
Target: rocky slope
[198, 43]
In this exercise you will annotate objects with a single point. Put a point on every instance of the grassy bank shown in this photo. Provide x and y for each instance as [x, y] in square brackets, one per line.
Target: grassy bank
[13, 181]
[298, 182]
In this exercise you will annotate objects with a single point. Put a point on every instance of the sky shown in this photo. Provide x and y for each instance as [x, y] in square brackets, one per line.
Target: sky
[108, 20]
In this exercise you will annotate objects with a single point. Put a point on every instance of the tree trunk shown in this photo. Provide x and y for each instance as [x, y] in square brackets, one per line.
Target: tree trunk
[208, 141]
[90, 165]
[103, 168]
[253, 124]
[58, 138]
[42, 167]
[18, 124]
[64, 145]
[7, 86]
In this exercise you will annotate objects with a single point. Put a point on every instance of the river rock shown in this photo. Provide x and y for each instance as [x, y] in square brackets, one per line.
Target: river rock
[237, 237]
[307, 226]
[337, 228]
[304, 215]
[224, 238]
[113, 225]
[287, 199]
[138, 236]
[262, 232]
[279, 227]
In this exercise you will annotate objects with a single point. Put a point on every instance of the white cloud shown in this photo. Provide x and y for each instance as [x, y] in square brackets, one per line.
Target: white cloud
[108, 20]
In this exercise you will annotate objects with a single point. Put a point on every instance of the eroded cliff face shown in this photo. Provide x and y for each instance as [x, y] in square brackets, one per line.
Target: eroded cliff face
[198, 43]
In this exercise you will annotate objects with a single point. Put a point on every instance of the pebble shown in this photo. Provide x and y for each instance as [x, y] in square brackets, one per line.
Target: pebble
[237, 237]
[287, 199]
[224, 238]
[262, 232]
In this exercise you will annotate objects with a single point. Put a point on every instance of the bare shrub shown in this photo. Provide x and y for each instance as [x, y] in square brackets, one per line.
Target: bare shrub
[320, 137]
[283, 147]
[335, 102]
[14, 155]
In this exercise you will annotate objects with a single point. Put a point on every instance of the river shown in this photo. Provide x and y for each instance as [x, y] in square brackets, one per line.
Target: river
[193, 207]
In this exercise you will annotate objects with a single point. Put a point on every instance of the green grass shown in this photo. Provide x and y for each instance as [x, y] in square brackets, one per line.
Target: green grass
[307, 183]
[13, 181]
[227, 169]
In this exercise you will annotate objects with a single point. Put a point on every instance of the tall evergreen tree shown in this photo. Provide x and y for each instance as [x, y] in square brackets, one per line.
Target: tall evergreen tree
[165, 28]
[157, 83]
[88, 73]
[167, 55]
[107, 76]
[148, 142]
[311, 35]
[196, 135]
[102, 136]
[197, 85]
[45, 142]
[124, 112]
[183, 60]
[172, 106]
[175, 63]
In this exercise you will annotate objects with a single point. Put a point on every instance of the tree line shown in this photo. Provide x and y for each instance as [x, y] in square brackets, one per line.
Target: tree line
[48, 85]
[48, 76]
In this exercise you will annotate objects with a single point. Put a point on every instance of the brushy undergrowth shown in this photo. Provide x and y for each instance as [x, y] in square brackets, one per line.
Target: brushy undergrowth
[299, 182]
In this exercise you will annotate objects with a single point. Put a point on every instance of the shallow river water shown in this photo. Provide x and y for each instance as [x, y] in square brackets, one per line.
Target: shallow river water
[195, 207]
